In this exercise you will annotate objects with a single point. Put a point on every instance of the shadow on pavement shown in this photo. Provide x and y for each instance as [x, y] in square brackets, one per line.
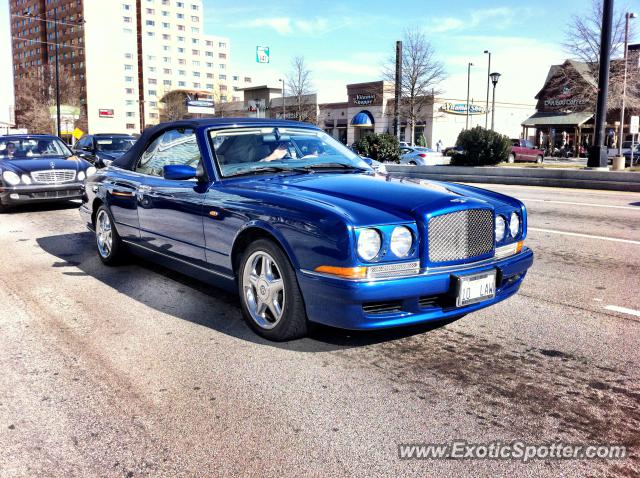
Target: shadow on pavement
[197, 302]
[42, 207]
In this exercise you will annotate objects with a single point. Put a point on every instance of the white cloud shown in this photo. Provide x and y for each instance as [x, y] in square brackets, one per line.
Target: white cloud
[281, 25]
[346, 67]
[289, 26]
[441, 25]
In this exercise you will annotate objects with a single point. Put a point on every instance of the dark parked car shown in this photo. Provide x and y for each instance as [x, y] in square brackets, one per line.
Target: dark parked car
[524, 150]
[305, 236]
[39, 168]
[102, 149]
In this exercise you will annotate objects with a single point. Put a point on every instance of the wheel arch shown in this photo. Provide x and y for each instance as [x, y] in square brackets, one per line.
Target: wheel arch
[252, 232]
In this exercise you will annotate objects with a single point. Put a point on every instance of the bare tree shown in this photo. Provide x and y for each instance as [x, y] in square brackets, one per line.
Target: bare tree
[175, 107]
[422, 74]
[582, 37]
[35, 94]
[299, 85]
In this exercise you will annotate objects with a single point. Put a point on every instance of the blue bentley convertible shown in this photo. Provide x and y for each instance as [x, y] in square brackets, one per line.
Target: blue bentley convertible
[303, 229]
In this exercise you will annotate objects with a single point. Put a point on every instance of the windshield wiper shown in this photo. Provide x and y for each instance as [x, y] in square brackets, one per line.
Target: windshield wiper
[335, 165]
[273, 169]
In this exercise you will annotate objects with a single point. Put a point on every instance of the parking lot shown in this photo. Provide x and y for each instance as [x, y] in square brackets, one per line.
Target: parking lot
[140, 371]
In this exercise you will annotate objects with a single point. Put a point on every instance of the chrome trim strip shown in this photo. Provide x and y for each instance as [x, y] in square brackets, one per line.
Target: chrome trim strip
[423, 272]
[221, 274]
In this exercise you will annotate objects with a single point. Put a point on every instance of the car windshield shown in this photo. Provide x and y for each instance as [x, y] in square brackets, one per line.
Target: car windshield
[32, 148]
[114, 144]
[256, 150]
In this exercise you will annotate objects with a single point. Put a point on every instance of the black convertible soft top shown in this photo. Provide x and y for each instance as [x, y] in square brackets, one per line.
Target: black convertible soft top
[128, 159]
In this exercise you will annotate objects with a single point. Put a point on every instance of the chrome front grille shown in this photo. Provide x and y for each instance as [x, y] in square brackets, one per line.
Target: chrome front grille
[460, 235]
[53, 176]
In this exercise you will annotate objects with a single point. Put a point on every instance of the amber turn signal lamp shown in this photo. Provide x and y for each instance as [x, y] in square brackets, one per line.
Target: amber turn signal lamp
[346, 272]
[519, 246]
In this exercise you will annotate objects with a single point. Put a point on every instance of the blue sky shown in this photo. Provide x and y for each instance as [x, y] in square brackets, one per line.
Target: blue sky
[348, 41]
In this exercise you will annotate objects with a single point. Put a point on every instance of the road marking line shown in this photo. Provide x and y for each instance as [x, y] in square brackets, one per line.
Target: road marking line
[631, 208]
[595, 192]
[623, 310]
[588, 236]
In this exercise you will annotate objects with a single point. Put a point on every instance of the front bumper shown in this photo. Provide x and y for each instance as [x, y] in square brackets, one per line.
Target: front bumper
[404, 301]
[34, 193]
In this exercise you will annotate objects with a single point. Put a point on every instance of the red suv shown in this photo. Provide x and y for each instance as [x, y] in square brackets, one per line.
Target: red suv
[524, 150]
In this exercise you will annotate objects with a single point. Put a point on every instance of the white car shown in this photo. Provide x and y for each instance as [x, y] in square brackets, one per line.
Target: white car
[419, 156]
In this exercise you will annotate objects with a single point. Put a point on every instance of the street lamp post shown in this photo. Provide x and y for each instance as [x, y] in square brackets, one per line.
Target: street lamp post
[283, 107]
[627, 16]
[494, 79]
[28, 13]
[468, 87]
[486, 107]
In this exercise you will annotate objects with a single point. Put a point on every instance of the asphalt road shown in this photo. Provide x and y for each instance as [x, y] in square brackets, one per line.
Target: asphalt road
[139, 371]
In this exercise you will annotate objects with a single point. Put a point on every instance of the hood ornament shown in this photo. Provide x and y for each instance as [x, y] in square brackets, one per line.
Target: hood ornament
[52, 164]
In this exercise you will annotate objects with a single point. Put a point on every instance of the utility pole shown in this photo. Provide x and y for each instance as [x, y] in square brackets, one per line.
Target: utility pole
[627, 16]
[398, 92]
[486, 108]
[598, 152]
[468, 87]
[55, 33]
[284, 115]
[494, 79]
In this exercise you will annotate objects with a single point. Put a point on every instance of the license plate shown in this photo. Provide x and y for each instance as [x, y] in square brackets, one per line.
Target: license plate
[474, 288]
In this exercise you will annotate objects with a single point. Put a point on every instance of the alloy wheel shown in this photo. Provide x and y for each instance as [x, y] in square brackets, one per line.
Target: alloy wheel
[263, 289]
[104, 234]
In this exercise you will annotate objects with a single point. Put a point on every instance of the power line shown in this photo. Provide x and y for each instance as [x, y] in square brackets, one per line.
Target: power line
[60, 45]
[60, 22]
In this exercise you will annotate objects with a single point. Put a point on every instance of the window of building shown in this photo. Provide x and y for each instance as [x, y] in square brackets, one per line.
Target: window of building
[182, 72]
[150, 11]
[223, 87]
[180, 16]
[247, 79]
[166, 48]
[210, 76]
[196, 63]
[208, 53]
[165, 13]
[222, 45]
[153, 104]
[126, 19]
[195, 19]
[195, 7]
[165, 2]
[180, 4]
[223, 97]
[166, 82]
[196, 85]
[209, 65]
[151, 34]
[129, 102]
[127, 30]
[165, 25]
[222, 77]
[182, 83]
[153, 115]
[131, 126]
[167, 71]
[180, 50]
[181, 28]
[209, 43]
[150, 23]
[152, 69]
[182, 61]
[222, 56]
[152, 92]
[153, 81]
[151, 57]
[195, 30]
[128, 56]
[131, 114]
[128, 79]
[195, 41]
[196, 74]
[166, 59]
[222, 66]
[128, 67]
[195, 52]
[209, 86]
[128, 91]
[126, 6]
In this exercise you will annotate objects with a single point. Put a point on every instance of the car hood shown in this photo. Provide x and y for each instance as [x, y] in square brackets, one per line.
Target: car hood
[28, 165]
[111, 155]
[368, 199]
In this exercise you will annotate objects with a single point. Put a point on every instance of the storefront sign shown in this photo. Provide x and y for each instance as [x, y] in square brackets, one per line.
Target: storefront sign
[105, 113]
[262, 54]
[364, 99]
[555, 102]
[461, 109]
[201, 107]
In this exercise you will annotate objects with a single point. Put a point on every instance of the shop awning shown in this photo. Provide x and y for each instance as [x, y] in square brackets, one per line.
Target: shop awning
[363, 120]
[557, 119]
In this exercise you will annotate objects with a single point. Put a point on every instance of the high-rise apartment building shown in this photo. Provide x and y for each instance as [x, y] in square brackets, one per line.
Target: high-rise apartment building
[126, 54]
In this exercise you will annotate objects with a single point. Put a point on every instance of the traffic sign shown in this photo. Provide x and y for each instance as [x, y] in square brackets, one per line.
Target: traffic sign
[77, 133]
[634, 125]
[262, 54]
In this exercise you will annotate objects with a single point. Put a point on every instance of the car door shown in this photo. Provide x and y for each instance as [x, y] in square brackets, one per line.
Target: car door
[170, 211]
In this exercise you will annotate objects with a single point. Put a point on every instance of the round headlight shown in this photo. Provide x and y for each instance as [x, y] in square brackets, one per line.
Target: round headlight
[81, 176]
[11, 178]
[401, 241]
[26, 179]
[369, 243]
[500, 228]
[514, 224]
[91, 171]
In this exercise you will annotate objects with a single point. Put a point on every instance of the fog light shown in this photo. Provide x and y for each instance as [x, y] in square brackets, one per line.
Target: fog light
[14, 196]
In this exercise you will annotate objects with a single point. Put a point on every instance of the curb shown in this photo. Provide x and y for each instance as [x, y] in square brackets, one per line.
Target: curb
[562, 178]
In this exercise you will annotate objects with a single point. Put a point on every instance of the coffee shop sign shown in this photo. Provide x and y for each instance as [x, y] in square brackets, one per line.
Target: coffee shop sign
[364, 99]
[461, 109]
[565, 102]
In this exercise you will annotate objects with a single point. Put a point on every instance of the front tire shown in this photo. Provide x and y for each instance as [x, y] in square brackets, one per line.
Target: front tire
[270, 297]
[110, 246]
[512, 158]
[539, 159]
